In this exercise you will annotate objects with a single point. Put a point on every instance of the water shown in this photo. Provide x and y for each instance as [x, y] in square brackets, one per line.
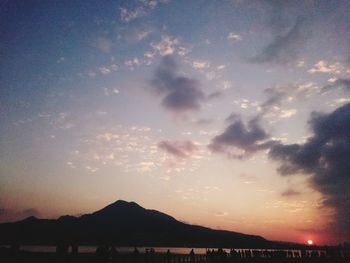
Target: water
[92, 249]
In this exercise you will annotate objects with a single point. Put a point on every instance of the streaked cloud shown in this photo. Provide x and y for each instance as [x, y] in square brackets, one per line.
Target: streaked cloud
[285, 47]
[180, 149]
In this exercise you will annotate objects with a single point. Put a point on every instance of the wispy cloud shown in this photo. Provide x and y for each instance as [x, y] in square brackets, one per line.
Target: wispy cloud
[104, 44]
[143, 8]
[278, 96]
[285, 47]
[180, 149]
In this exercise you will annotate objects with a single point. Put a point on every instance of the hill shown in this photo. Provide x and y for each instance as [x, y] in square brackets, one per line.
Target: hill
[124, 224]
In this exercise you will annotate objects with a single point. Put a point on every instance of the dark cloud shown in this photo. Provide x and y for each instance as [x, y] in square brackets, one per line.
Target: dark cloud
[338, 84]
[240, 140]
[178, 93]
[180, 149]
[326, 157]
[9, 215]
[290, 193]
[285, 47]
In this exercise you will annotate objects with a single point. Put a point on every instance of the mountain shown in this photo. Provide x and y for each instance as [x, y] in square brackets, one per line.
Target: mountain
[125, 224]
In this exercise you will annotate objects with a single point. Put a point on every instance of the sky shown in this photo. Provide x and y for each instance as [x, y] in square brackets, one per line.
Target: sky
[231, 114]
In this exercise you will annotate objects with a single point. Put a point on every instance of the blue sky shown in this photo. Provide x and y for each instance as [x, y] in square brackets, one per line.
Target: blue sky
[206, 110]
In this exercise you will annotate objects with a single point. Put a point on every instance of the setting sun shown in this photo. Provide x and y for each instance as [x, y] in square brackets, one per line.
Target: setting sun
[310, 242]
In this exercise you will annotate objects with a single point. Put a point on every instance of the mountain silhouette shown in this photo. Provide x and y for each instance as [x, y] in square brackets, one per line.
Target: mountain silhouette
[123, 224]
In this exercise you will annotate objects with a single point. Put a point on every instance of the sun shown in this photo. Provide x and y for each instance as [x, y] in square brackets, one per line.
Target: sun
[310, 242]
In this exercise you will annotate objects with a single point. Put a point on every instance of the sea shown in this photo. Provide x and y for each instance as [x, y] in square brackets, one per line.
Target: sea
[92, 249]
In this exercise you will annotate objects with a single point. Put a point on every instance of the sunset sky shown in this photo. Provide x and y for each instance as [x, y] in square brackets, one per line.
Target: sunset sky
[231, 114]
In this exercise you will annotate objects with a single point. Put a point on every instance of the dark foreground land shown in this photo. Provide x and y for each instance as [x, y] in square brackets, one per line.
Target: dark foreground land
[217, 256]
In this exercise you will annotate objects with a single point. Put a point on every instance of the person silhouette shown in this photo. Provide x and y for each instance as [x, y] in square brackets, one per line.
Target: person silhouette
[136, 255]
[101, 253]
[152, 255]
[168, 256]
[113, 254]
[192, 256]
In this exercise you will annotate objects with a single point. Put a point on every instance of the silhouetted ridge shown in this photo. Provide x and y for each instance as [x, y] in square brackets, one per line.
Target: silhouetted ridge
[67, 218]
[29, 219]
[127, 224]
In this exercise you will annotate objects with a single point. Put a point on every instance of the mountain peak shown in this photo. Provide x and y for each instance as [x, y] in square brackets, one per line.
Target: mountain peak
[124, 204]
[120, 207]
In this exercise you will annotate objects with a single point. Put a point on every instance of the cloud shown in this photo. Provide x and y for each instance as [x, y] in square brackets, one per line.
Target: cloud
[240, 140]
[342, 101]
[203, 121]
[290, 193]
[105, 70]
[134, 33]
[285, 47]
[179, 93]
[279, 95]
[287, 113]
[9, 215]
[179, 149]
[214, 95]
[326, 157]
[104, 44]
[200, 64]
[132, 63]
[220, 213]
[338, 84]
[166, 46]
[226, 84]
[234, 37]
[324, 67]
[127, 15]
